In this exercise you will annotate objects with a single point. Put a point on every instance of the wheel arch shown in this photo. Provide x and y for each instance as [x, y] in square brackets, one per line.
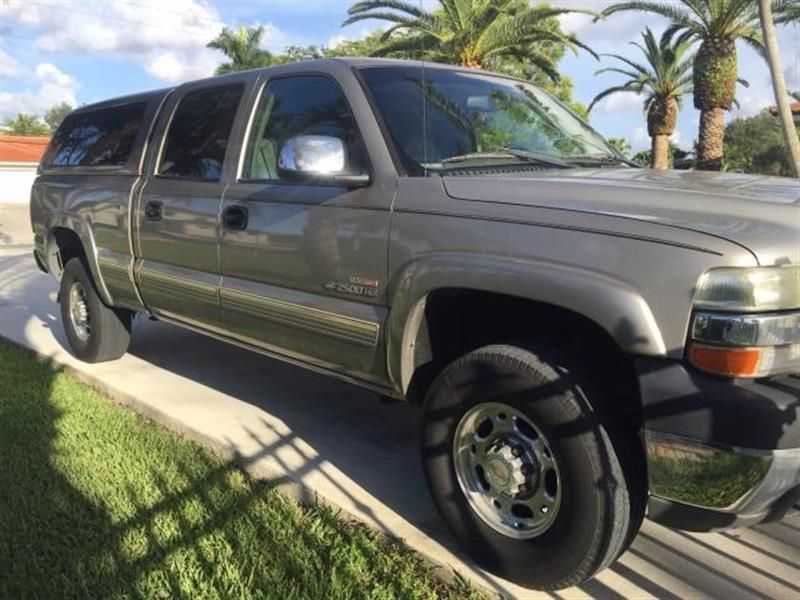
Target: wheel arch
[69, 237]
[607, 307]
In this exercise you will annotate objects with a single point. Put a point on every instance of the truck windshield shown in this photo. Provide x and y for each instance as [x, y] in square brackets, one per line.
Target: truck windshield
[441, 119]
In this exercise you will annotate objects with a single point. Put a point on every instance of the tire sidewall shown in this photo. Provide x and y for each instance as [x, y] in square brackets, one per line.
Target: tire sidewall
[556, 405]
[75, 271]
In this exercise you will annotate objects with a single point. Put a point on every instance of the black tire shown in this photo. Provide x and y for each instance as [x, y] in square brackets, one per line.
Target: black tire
[597, 512]
[110, 328]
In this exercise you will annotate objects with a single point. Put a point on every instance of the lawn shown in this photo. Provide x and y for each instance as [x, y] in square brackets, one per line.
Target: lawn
[98, 501]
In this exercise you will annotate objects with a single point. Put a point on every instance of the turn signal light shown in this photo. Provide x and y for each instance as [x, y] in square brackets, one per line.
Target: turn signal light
[733, 362]
[746, 362]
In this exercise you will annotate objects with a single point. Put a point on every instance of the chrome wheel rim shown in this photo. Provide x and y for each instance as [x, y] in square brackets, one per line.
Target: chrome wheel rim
[79, 311]
[507, 470]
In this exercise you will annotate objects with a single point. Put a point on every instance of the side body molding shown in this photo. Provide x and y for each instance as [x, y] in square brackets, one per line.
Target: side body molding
[84, 231]
[612, 304]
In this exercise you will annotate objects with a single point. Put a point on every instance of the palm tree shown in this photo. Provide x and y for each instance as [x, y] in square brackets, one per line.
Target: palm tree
[26, 124]
[663, 80]
[717, 24]
[241, 47]
[778, 84]
[471, 33]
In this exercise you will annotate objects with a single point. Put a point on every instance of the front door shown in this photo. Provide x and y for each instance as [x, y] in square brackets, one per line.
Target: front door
[178, 208]
[304, 264]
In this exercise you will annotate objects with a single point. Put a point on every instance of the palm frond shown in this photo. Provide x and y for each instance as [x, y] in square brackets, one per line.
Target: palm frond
[785, 11]
[640, 68]
[757, 44]
[628, 87]
[668, 10]
[407, 7]
[630, 74]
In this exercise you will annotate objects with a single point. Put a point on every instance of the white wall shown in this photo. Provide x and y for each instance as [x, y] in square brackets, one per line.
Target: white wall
[16, 180]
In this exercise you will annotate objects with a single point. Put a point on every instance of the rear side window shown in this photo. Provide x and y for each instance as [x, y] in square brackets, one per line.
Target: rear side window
[198, 134]
[96, 138]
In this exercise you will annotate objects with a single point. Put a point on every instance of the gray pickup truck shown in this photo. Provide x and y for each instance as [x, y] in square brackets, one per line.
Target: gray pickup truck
[589, 341]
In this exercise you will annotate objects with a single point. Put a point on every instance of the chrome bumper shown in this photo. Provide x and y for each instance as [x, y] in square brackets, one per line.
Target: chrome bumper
[723, 479]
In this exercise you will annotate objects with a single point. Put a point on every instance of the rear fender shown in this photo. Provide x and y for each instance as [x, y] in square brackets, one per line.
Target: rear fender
[84, 233]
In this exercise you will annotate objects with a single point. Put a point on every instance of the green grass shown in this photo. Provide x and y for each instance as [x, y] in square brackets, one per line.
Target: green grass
[97, 501]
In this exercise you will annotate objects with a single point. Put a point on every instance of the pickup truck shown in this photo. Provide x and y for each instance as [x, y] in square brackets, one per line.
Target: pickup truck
[590, 342]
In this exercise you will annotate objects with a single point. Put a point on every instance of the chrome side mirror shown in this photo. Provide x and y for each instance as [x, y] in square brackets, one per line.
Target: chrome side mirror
[320, 158]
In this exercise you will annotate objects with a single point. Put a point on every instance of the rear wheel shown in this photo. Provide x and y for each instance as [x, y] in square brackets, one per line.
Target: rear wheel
[96, 332]
[522, 469]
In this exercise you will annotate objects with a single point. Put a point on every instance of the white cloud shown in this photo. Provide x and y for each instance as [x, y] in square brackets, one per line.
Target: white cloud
[610, 32]
[753, 101]
[10, 66]
[792, 76]
[350, 36]
[274, 39]
[53, 86]
[679, 139]
[623, 102]
[167, 38]
[639, 139]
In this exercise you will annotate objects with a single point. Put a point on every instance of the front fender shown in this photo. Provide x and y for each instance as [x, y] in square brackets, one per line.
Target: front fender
[612, 304]
[84, 232]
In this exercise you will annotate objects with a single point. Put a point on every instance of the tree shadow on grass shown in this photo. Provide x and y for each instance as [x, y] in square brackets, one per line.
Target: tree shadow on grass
[183, 524]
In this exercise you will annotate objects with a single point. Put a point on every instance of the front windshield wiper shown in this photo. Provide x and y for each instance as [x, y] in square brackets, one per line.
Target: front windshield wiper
[505, 153]
[604, 159]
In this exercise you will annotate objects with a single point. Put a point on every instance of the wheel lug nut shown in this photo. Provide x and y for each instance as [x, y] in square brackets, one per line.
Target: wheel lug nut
[516, 451]
[527, 469]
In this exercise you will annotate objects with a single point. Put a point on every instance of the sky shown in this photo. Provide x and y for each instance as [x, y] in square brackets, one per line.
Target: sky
[83, 51]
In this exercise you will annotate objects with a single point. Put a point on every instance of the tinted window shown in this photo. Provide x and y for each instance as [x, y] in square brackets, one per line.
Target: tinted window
[308, 105]
[96, 138]
[199, 132]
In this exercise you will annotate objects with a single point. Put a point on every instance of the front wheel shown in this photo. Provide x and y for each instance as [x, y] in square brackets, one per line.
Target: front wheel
[95, 332]
[522, 469]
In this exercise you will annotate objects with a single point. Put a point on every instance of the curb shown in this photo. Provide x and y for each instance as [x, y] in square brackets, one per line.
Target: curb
[285, 484]
[17, 246]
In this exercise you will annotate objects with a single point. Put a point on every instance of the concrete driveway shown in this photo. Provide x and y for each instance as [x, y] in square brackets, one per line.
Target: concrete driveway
[321, 438]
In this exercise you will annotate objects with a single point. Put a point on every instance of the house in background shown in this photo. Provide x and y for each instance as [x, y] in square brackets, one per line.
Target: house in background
[794, 107]
[19, 158]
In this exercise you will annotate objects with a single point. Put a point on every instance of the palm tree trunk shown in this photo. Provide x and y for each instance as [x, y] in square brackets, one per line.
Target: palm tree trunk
[659, 152]
[710, 139]
[778, 83]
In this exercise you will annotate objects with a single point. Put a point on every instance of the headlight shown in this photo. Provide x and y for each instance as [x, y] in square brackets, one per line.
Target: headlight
[747, 330]
[749, 289]
[743, 343]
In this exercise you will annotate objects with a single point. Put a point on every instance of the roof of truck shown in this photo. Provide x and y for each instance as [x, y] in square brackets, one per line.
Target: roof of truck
[140, 97]
[304, 65]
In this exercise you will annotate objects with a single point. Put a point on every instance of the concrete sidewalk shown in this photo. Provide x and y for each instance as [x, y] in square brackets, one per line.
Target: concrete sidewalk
[15, 225]
[322, 438]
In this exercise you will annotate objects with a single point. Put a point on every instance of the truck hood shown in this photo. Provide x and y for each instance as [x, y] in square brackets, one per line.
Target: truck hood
[759, 213]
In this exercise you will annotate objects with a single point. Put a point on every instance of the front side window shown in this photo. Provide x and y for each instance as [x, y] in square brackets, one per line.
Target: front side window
[199, 132]
[96, 138]
[438, 117]
[298, 106]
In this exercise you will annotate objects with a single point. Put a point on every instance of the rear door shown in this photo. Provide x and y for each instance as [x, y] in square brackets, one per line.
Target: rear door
[178, 209]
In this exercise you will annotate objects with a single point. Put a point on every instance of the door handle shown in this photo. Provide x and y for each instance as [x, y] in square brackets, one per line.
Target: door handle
[153, 210]
[235, 217]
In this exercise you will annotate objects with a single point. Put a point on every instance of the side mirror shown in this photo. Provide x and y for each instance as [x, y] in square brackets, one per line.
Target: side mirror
[320, 158]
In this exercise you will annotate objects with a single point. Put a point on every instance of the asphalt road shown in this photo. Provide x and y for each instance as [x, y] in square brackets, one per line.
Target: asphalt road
[325, 439]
